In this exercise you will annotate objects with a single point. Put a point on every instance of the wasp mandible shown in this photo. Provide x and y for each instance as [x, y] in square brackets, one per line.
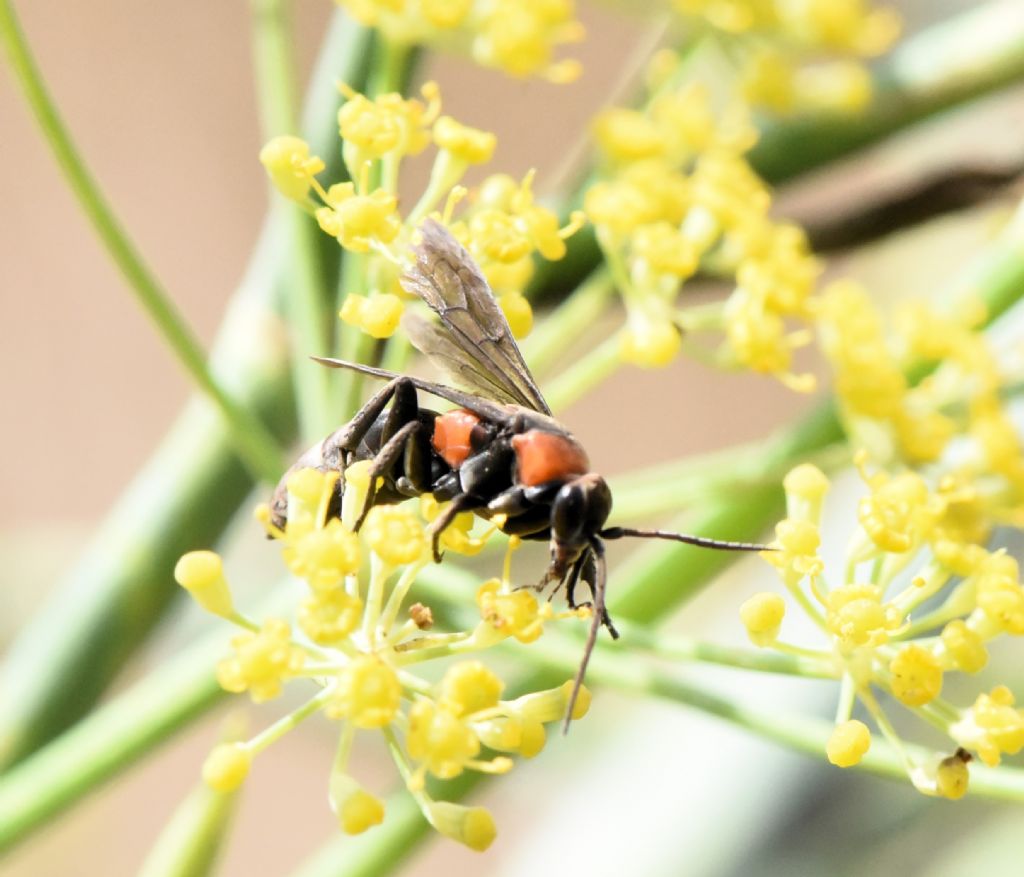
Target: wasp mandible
[500, 454]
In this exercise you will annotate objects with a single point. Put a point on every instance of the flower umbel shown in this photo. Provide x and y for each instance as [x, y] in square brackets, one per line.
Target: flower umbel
[361, 653]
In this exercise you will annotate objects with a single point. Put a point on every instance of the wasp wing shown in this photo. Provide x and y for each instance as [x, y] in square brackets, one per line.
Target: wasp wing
[486, 408]
[481, 350]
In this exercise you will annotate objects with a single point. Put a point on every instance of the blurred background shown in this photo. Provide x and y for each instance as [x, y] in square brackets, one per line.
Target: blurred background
[160, 100]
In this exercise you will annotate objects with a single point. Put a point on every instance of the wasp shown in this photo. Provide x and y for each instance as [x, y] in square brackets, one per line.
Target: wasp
[499, 453]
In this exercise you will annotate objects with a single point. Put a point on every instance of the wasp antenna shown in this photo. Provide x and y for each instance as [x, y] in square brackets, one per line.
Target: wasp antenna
[599, 617]
[699, 541]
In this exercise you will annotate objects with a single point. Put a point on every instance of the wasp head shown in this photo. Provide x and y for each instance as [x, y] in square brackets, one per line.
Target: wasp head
[578, 513]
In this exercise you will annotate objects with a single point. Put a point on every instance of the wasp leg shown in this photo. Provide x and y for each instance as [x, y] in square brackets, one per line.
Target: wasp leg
[386, 458]
[462, 502]
[347, 439]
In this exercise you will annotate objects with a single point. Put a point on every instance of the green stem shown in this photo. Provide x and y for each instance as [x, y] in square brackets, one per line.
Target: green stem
[98, 747]
[190, 844]
[307, 302]
[183, 499]
[254, 442]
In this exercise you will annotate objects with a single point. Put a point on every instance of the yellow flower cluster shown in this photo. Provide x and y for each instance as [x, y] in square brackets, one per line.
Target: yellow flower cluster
[896, 422]
[518, 37]
[676, 192]
[919, 598]
[357, 652]
[501, 225]
[804, 55]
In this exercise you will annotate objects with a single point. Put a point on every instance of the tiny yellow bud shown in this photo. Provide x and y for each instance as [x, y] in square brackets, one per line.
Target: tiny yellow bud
[227, 766]
[916, 676]
[848, 743]
[762, 617]
[468, 144]
[201, 573]
[472, 826]
[952, 776]
[805, 487]
[356, 808]
[469, 687]
[965, 648]
[290, 166]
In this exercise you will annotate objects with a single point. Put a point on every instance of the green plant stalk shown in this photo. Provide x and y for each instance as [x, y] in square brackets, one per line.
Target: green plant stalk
[183, 499]
[307, 303]
[190, 844]
[254, 442]
[98, 747]
[949, 64]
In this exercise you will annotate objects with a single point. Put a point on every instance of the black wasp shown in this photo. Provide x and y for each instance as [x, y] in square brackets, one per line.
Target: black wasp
[500, 454]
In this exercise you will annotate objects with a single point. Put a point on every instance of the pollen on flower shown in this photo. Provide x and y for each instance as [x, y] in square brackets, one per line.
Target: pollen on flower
[963, 648]
[797, 558]
[849, 742]
[856, 616]
[227, 766]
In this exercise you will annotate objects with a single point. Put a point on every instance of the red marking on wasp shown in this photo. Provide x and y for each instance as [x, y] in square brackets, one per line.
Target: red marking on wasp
[546, 456]
[453, 436]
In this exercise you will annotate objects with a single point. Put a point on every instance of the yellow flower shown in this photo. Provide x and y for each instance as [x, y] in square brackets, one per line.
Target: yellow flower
[627, 135]
[510, 613]
[328, 616]
[796, 556]
[359, 220]
[518, 312]
[262, 661]
[666, 249]
[899, 512]
[952, 777]
[227, 766]
[469, 687]
[991, 727]
[518, 36]
[762, 616]
[324, 556]
[848, 743]
[440, 739]
[1000, 597]
[857, 617]
[378, 314]
[471, 826]
[805, 486]
[916, 676]
[357, 809]
[368, 693]
[963, 648]
[290, 166]
[201, 573]
[470, 145]
[395, 534]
